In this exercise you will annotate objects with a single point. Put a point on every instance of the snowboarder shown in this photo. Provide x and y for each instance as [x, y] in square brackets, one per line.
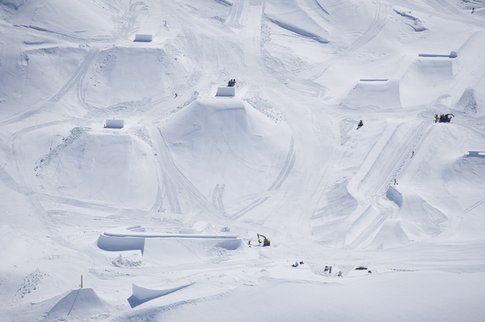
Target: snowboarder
[395, 182]
[412, 154]
[361, 124]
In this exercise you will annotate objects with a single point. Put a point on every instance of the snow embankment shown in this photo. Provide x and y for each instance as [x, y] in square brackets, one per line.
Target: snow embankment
[77, 19]
[289, 16]
[414, 23]
[141, 294]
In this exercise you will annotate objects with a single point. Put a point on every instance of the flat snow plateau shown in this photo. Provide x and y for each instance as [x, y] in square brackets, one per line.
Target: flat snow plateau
[158, 219]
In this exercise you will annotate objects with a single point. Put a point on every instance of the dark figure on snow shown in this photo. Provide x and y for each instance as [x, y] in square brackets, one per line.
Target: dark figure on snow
[473, 10]
[361, 124]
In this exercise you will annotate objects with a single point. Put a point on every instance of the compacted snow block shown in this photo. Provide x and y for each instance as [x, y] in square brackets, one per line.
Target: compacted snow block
[452, 54]
[476, 154]
[120, 243]
[394, 195]
[141, 295]
[226, 91]
[114, 124]
[143, 38]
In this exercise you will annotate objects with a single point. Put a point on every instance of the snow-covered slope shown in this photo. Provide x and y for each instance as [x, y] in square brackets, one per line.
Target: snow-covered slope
[171, 203]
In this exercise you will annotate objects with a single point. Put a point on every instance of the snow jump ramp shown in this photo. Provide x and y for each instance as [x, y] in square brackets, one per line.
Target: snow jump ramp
[373, 93]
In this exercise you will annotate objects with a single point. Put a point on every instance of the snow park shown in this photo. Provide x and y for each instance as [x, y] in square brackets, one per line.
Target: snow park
[242, 160]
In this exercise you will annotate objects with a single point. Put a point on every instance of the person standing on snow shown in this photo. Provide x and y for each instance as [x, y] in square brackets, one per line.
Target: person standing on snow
[361, 124]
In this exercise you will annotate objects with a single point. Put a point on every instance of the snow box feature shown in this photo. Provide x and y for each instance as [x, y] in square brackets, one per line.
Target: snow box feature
[114, 124]
[143, 38]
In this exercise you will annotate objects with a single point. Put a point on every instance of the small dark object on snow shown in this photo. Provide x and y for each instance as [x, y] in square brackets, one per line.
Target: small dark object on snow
[361, 124]
[295, 264]
[231, 82]
[369, 271]
[443, 118]
[339, 274]
[301, 263]
[361, 268]
[265, 241]
[473, 10]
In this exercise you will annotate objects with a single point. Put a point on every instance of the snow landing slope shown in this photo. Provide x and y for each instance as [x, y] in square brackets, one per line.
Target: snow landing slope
[401, 197]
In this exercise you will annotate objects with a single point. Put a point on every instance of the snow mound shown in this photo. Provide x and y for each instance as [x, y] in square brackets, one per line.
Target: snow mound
[137, 75]
[77, 304]
[433, 74]
[102, 166]
[227, 149]
[373, 95]
[467, 101]
[23, 84]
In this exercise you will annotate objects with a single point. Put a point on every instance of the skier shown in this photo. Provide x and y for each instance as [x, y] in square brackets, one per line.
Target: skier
[361, 124]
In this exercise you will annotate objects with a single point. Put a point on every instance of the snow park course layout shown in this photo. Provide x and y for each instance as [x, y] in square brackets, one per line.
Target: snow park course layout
[256, 160]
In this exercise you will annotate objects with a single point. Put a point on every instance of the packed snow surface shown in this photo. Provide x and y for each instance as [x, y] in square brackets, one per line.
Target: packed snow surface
[160, 216]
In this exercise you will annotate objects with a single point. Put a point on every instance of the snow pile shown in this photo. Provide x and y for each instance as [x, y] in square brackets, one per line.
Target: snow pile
[77, 304]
